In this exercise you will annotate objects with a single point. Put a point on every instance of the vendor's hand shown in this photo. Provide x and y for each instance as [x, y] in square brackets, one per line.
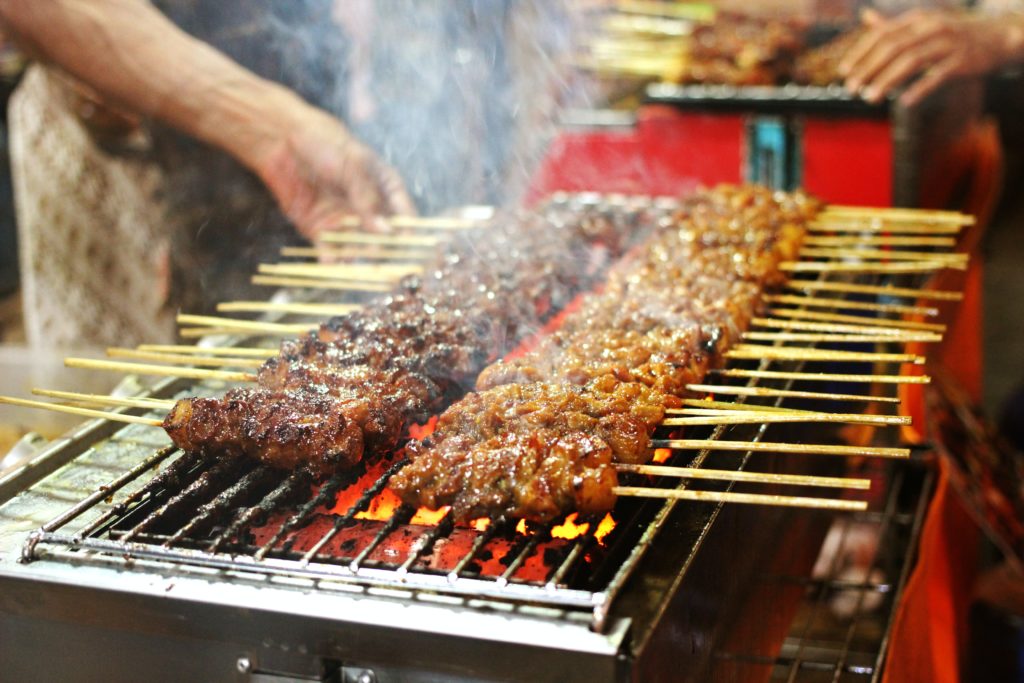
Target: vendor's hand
[319, 173]
[933, 46]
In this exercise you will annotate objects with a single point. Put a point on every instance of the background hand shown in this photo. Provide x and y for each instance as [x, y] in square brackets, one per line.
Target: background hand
[319, 173]
[933, 46]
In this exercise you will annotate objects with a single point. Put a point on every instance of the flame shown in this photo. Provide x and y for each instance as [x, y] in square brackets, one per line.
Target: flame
[570, 529]
[662, 454]
[480, 524]
[420, 432]
[521, 527]
[605, 527]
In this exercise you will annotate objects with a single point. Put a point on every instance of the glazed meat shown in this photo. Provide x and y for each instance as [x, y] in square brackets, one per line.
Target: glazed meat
[353, 387]
[666, 315]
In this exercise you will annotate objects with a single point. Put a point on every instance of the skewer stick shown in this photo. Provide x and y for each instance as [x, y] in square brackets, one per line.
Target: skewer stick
[287, 307]
[313, 283]
[846, 253]
[825, 376]
[839, 338]
[767, 418]
[185, 359]
[901, 213]
[85, 412]
[786, 393]
[162, 370]
[891, 333]
[757, 352]
[200, 332]
[422, 222]
[857, 319]
[373, 253]
[841, 304]
[100, 399]
[755, 477]
[867, 267]
[374, 238]
[775, 447]
[745, 498]
[244, 325]
[883, 290]
[334, 271]
[238, 351]
[843, 224]
[706, 403]
[878, 241]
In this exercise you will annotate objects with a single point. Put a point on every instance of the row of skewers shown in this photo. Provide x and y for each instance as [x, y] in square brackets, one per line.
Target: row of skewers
[344, 345]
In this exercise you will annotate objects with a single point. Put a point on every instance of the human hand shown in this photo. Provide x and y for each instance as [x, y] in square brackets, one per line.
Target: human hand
[319, 174]
[933, 46]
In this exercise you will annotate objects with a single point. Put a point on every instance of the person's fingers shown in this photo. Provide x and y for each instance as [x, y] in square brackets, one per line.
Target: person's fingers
[888, 51]
[883, 32]
[930, 81]
[395, 194]
[871, 17]
[904, 68]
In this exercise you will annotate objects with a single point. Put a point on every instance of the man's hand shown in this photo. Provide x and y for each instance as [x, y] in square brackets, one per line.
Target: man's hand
[933, 46]
[319, 174]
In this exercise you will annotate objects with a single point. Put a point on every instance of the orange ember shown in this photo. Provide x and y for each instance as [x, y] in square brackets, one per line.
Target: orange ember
[661, 454]
[604, 527]
[420, 432]
[480, 524]
[569, 529]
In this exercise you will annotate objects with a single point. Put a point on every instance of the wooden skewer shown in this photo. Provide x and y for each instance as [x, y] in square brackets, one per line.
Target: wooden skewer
[422, 222]
[891, 323]
[891, 333]
[237, 351]
[100, 399]
[787, 393]
[745, 498]
[331, 271]
[882, 254]
[372, 253]
[774, 447]
[373, 238]
[757, 352]
[901, 213]
[878, 241]
[85, 412]
[185, 359]
[707, 403]
[314, 283]
[883, 290]
[839, 338]
[843, 224]
[287, 307]
[200, 332]
[832, 302]
[825, 376]
[765, 418]
[867, 267]
[755, 477]
[162, 370]
[244, 325]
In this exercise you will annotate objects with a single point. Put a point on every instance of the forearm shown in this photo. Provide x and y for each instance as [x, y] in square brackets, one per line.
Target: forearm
[128, 52]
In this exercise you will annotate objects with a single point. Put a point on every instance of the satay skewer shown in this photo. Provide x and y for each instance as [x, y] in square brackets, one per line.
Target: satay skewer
[340, 271]
[84, 412]
[210, 350]
[824, 376]
[882, 290]
[856, 241]
[844, 225]
[757, 352]
[890, 333]
[160, 370]
[729, 390]
[892, 323]
[721, 418]
[184, 359]
[376, 238]
[841, 304]
[418, 222]
[868, 266]
[316, 283]
[743, 498]
[744, 476]
[297, 308]
[355, 253]
[847, 254]
[244, 325]
[777, 447]
[925, 337]
[900, 213]
[106, 400]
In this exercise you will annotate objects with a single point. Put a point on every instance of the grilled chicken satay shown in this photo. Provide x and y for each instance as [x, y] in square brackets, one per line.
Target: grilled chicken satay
[609, 374]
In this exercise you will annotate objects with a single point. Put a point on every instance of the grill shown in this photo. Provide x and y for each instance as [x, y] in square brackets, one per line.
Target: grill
[334, 579]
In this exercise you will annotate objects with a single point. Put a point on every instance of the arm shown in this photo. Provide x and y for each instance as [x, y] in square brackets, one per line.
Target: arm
[933, 46]
[131, 54]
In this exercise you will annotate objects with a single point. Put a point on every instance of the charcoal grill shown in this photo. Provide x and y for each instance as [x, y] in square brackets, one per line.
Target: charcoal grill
[128, 555]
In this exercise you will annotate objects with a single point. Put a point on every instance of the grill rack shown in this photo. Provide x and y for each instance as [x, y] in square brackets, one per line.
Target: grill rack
[556, 590]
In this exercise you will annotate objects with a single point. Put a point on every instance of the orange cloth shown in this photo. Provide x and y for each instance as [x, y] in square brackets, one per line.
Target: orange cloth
[930, 627]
